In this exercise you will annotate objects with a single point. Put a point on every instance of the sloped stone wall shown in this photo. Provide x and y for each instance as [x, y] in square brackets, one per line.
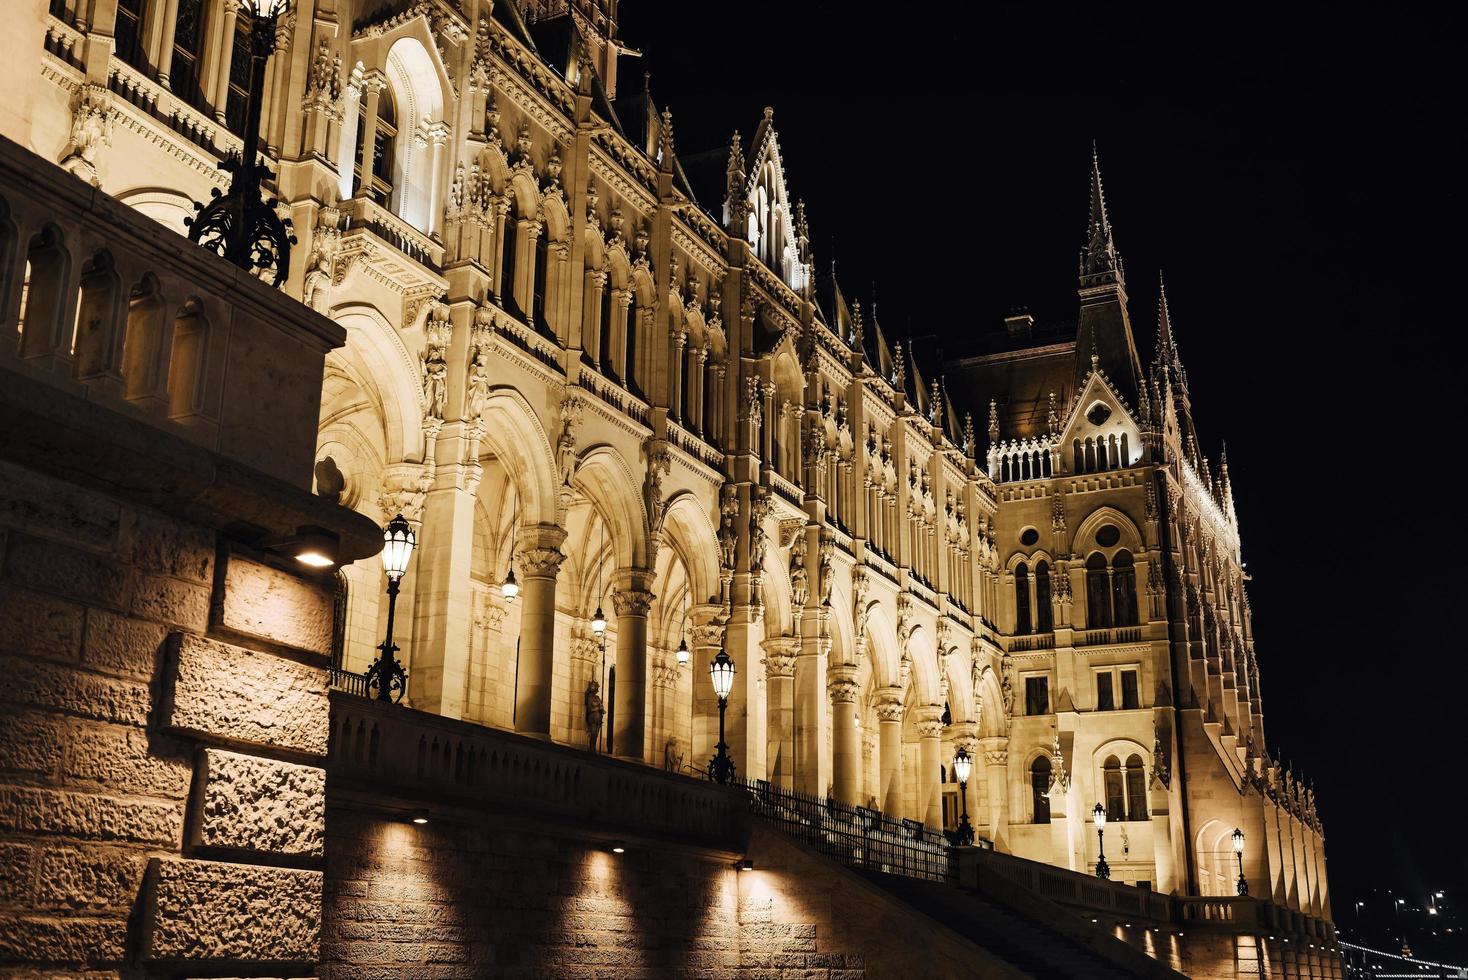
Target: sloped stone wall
[162, 735]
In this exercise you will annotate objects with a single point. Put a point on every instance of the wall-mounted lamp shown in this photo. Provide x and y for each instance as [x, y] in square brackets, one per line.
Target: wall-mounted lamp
[419, 817]
[617, 847]
[744, 864]
[314, 547]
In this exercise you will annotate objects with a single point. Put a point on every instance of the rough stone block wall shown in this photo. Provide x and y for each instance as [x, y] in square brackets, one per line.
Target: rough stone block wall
[161, 785]
[468, 897]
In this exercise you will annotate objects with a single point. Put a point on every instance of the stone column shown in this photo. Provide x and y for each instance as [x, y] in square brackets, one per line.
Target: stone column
[632, 600]
[814, 775]
[995, 751]
[442, 606]
[707, 635]
[930, 764]
[161, 21]
[965, 737]
[889, 715]
[438, 136]
[780, 657]
[539, 558]
[842, 684]
[375, 81]
[221, 54]
[664, 696]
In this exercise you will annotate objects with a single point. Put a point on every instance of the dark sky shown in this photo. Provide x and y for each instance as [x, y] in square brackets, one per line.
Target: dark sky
[1297, 172]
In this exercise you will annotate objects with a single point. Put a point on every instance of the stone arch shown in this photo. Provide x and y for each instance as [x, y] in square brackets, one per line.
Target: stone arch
[882, 646]
[1084, 541]
[925, 669]
[44, 324]
[164, 205]
[377, 350]
[144, 350]
[779, 613]
[603, 476]
[687, 525]
[419, 89]
[993, 721]
[513, 434]
[955, 666]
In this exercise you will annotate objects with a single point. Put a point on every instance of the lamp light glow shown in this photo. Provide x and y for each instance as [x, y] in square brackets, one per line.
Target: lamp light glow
[398, 541]
[1238, 841]
[266, 8]
[1099, 813]
[963, 765]
[509, 588]
[721, 671]
[419, 817]
[598, 621]
[744, 864]
[682, 652]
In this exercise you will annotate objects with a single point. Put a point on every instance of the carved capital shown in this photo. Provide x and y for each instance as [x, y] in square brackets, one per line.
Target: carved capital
[632, 602]
[539, 562]
[842, 684]
[930, 720]
[889, 704]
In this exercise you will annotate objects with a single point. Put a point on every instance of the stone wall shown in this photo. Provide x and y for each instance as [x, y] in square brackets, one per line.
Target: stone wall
[161, 743]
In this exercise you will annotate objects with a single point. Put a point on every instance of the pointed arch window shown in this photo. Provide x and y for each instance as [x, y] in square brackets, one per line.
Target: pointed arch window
[1115, 789]
[384, 146]
[542, 269]
[1040, 789]
[128, 31]
[604, 346]
[1136, 788]
[508, 250]
[1022, 623]
[1098, 593]
[629, 369]
[1043, 622]
[1123, 589]
[188, 52]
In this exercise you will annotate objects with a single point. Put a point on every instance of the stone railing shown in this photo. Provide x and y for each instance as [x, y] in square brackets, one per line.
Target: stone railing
[1238, 913]
[526, 338]
[1102, 637]
[614, 395]
[1029, 642]
[1079, 891]
[362, 212]
[139, 321]
[694, 445]
[386, 751]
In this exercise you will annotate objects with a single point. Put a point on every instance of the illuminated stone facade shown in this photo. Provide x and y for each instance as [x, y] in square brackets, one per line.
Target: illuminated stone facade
[572, 353]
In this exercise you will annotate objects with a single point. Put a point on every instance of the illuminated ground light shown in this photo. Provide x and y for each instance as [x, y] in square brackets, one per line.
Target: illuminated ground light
[744, 864]
[617, 847]
[419, 817]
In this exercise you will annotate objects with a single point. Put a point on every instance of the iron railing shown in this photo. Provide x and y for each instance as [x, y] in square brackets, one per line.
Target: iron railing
[348, 682]
[857, 836]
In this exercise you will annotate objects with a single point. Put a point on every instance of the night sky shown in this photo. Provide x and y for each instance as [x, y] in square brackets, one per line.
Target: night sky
[1297, 175]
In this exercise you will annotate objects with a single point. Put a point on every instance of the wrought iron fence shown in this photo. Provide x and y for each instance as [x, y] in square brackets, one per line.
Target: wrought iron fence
[857, 836]
[348, 682]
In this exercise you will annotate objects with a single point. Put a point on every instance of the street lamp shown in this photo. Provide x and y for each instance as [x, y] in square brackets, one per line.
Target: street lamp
[963, 767]
[1103, 870]
[1239, 854]
[386, 674]
[598, 621]
[721, 672]
[241, 226]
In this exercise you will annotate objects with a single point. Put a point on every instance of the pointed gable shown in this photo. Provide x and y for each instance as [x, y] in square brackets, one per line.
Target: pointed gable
[772, 219]
[1100, 432]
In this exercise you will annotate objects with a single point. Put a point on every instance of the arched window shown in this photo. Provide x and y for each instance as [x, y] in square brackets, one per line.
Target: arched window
[1080, 462]
[384, 146]
[1039, 789]
[127, 32]
[240, 78]
[1123, 589]
[1022, 623]
[1136, 788]
[188, 52]
[604, 346]
[542, 269]
[1114, 788]
[629, 368]
[1043, 622]
[508, 248]
[1098, 593]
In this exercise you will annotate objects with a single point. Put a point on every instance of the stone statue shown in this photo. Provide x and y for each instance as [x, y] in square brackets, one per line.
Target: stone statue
[595, 712]
[673, 755]
[477, 395]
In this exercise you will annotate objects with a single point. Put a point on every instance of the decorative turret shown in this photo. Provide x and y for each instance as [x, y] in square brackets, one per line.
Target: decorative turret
[666, 157]
[1100, 262]
[1103, 316]
[1225, 488]
[735, 206]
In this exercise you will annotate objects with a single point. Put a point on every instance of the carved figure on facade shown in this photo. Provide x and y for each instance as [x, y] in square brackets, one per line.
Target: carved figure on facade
[827, 568]
[658, 463]
[595, 712]
[571, 405]
[321, 266]
[728, 534]
[673, 754]
[436, 331]
[323, 84]
[799, 577]
[91, 129]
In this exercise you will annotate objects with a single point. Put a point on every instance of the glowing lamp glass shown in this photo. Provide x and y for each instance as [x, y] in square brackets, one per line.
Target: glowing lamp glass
[1100, 814]
[721, 671]
[266, 8]
[398, 541]
[682, 652]
[963, 765]
[1238, 841]
[509, 588]
[598, 621]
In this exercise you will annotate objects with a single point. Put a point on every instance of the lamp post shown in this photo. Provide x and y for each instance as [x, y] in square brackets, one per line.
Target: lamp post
[241, 225]
[721, 671]
[963, 766]
[386, 675]
[1239, 854]
[1103, 870]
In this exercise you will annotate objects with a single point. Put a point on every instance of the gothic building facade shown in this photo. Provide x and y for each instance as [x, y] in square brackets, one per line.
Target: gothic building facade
[613, 375]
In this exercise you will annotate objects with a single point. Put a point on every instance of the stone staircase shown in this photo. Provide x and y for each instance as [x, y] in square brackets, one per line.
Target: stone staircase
[1036, 947]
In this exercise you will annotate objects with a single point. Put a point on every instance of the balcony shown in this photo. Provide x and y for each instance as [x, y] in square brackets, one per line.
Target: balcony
[1105, 637]
[1029, 643]
[382, 750]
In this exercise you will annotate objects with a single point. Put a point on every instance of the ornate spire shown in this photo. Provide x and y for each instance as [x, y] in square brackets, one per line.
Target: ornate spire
[1099, 261]
[665, 141]
[968, 433]
[1166, 352]
[735, 205]
[993, 422]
